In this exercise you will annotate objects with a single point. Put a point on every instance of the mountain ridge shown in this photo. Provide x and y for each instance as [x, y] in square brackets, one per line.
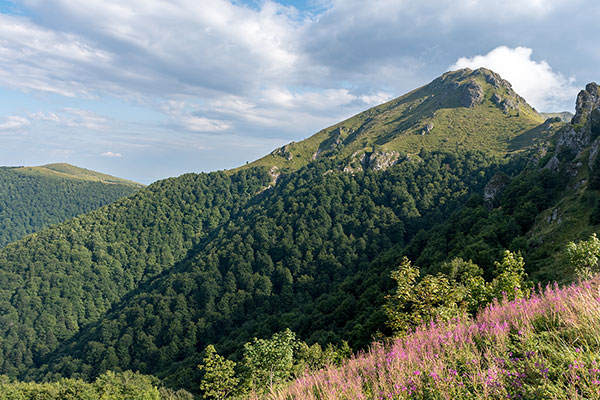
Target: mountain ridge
[69, 171]
[32, 198]
[448, 113]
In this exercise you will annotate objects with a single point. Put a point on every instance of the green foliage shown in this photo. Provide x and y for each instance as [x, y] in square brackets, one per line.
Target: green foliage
[511, 279]
[70, 275]
[481, 234]
[219, 381]
[30, 202]
[434, 297]
[109, 386]
[270, 361]
[458, 290]
[126, 386]
[303, 255]
[584, 256]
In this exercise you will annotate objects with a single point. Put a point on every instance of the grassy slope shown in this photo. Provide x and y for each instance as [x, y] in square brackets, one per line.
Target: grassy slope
[568, 220]
[398, 125]
[63, 170]
[544, 347]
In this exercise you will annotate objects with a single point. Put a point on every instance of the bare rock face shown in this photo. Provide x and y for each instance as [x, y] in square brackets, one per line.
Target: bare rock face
[284, 151]
[553, 164]
[585, 124]
[587, 101]
[494, 79]
[376, 161]
[494, 188]
[472, 94]
[507, 104]
[428, 128]
[380, 160]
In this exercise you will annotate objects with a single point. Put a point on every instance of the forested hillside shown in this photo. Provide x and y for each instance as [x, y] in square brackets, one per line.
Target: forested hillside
[310, 241]
[32, 198]
[298, 256]
[57, 280]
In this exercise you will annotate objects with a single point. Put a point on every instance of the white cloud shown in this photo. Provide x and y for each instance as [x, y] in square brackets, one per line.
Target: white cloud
[73, 118]
[183, 115]
[535, 81]
[111, 154]
[201, 124]
[14, 122]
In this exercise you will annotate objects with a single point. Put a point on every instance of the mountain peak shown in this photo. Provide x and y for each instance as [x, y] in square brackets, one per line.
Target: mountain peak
[587, 101]
[463, 109]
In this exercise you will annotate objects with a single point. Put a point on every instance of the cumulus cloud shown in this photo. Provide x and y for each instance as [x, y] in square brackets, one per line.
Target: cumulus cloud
[14, 122]
[111, 154]
[534, 80]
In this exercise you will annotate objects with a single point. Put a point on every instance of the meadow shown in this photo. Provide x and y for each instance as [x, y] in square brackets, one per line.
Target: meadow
[546, 346]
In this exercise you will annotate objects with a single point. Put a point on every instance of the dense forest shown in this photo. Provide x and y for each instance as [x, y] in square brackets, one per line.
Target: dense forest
[293, 258]
[59, 279]
[30, 202]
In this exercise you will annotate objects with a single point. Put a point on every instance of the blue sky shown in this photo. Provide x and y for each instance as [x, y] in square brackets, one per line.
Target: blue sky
[147, 89]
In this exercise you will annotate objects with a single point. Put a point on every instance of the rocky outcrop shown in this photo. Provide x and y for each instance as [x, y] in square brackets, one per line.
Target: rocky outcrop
[376, 161]
[428, 128]
[382, 160]
[508, 103]
[553, 164]
[584, 129]
[587, 101]
[494, 188]
[494, 79]
[284, 151]
[472, 94]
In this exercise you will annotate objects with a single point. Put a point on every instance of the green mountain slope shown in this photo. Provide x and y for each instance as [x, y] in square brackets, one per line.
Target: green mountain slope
[32, 198]
[465, 109]
[61, 278]
[294, 257]
[461, 167]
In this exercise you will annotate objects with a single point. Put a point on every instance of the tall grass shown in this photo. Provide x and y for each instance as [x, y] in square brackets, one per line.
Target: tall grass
[543, 347]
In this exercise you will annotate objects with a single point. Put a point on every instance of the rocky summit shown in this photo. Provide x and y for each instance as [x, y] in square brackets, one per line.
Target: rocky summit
[460, 109]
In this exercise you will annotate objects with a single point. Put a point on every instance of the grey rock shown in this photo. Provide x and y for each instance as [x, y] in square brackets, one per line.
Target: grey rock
[494, 189]
[552, 164]
[472, 95]
[428, 128]
[380, 160]
[284, 151]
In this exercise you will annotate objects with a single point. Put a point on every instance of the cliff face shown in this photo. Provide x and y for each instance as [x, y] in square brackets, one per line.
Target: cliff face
[582, 132]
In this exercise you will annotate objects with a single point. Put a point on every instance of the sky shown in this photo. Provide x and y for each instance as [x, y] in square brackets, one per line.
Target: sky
[148, 89]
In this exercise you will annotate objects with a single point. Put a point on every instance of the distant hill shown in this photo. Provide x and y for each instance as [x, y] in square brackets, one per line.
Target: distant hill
[32, 198]
[63, 170]
[564, 116]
